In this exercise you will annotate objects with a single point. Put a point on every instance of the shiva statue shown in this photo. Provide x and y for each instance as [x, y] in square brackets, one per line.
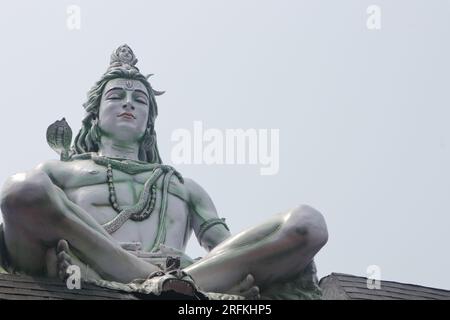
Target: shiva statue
[111, 207]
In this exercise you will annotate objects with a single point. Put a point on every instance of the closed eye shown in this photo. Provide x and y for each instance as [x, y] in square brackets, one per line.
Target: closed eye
[114, 97]
[115, 94]
[141, 100]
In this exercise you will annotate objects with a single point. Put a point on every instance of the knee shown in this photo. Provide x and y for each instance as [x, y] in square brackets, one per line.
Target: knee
[308, 223]
[25, 190]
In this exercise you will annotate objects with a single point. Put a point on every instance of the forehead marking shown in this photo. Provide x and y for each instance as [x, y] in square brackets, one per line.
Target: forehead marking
[129, 84]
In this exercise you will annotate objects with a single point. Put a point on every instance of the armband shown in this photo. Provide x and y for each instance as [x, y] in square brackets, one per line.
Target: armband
[205, 226]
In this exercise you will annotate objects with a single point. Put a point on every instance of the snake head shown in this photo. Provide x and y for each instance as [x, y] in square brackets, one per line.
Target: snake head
[59, 137]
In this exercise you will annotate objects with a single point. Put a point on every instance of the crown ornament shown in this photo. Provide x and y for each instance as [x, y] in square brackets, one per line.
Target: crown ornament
[124, 57]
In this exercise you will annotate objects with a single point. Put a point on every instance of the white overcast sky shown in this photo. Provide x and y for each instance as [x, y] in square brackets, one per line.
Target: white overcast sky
[363, 115]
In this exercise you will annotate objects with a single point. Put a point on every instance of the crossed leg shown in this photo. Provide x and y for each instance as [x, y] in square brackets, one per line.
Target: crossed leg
[275, 251]
[37, 215]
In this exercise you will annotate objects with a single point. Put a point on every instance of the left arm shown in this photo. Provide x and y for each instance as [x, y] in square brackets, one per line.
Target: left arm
[208, 228]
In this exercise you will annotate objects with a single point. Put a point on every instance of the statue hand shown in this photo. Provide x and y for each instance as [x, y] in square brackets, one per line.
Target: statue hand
[185, 259]
[246, 288]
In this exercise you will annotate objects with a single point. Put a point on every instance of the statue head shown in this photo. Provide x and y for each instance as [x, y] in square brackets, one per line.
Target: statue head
[121, 105]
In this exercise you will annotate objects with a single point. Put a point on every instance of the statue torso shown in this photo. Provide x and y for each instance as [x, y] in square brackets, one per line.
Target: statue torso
[85, 183]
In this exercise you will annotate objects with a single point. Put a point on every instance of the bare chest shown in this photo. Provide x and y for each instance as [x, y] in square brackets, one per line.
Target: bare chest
[88, 188]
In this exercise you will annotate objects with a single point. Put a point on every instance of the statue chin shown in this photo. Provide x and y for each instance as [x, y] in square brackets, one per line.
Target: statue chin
[110, 187]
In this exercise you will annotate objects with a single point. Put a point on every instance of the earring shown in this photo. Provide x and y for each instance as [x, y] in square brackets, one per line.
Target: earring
[148, 139]
[95, 132]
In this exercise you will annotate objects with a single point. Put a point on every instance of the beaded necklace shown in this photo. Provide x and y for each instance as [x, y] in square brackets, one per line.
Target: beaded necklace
[136, 216]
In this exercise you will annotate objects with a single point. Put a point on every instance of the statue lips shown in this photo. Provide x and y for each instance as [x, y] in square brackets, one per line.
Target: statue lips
[127, 115]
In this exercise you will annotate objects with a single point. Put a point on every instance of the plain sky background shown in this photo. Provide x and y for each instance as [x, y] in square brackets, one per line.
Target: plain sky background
[363, 115]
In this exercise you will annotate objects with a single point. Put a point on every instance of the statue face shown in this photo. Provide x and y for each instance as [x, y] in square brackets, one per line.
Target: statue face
[125, 54]
[124, 110]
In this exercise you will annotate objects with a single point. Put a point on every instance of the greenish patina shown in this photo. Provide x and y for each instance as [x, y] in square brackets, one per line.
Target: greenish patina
[110, 206]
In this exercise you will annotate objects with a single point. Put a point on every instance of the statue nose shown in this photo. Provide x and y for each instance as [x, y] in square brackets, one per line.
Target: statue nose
[128, 105]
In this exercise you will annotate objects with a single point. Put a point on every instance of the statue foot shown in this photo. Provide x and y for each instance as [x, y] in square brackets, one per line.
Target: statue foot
[66, 258]
[246, 288]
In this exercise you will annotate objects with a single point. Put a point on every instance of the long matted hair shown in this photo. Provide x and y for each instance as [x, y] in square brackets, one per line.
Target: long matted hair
[88, 138]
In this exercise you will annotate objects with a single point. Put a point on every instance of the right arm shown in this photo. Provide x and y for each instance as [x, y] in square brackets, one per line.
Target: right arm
[56, 171]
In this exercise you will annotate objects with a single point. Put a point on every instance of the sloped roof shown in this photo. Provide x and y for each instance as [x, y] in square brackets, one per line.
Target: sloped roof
[339, 286]
[15, 287]
[336, 286]
[21, 287]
